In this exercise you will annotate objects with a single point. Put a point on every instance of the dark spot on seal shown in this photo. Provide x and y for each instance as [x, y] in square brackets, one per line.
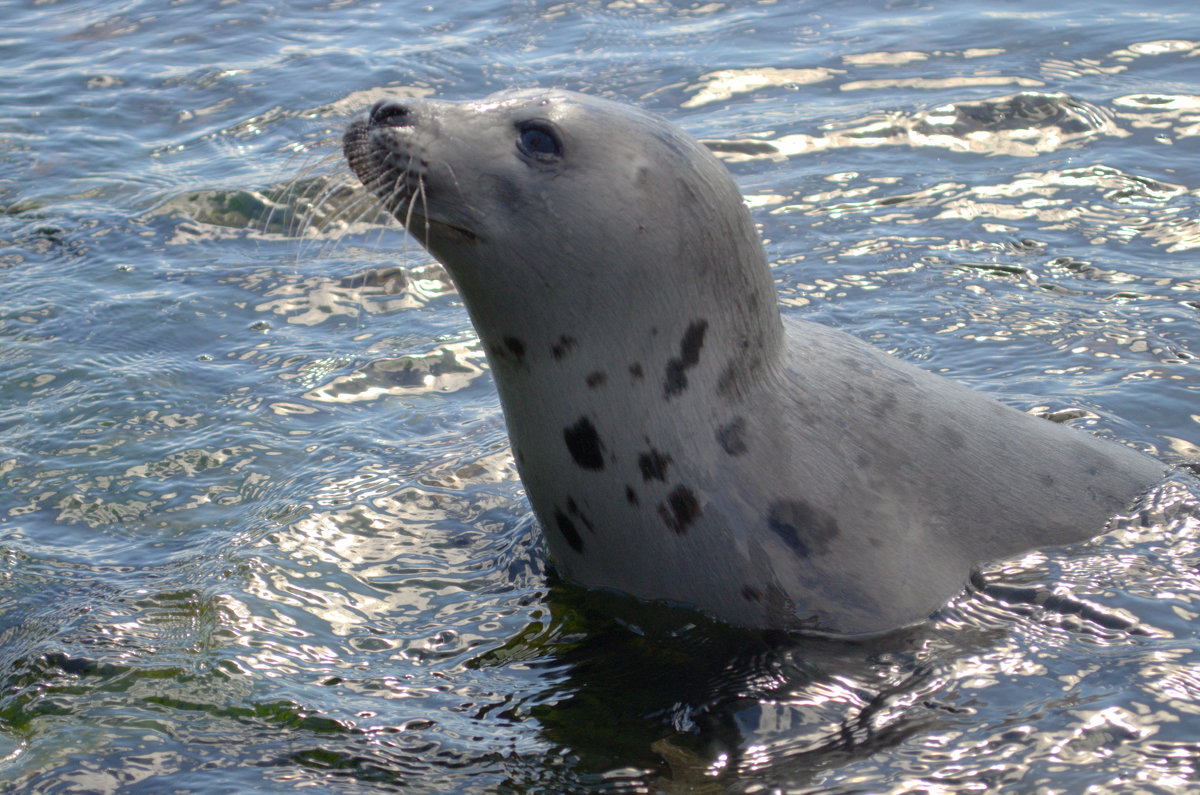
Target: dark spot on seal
[732, 436]
[584, 444]
[753, 302]
[751, 594]
[689, 356]
[653, 465]
[573, 509]
[1047, 480]
[953, 438]
[885, 406]
[692, 342]
[631, 495]
[804, 528]
[596, 379]
[635, 370]
[680, 510]
[565, 344]
[567, 528]
[862, 461]
[738, 374]
[515, 347]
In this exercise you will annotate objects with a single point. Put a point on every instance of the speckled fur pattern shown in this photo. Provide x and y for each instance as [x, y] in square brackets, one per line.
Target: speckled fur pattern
[677, 441]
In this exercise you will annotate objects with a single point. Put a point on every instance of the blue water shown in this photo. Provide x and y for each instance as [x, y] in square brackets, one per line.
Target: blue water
[259, 524]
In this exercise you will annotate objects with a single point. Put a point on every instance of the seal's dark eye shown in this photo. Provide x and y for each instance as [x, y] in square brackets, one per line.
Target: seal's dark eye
[539, 140]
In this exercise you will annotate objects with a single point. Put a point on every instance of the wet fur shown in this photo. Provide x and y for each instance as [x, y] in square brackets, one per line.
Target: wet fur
[676, 440]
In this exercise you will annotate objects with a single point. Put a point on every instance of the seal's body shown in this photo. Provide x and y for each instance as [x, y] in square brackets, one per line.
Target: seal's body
[676, 439]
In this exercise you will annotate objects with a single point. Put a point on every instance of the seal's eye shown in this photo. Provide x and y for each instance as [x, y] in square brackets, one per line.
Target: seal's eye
[539, 140]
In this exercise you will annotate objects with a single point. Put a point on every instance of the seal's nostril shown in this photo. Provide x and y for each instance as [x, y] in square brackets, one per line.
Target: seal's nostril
[391, 113]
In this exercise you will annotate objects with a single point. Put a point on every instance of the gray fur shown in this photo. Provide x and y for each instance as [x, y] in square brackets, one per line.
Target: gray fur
[772, 477]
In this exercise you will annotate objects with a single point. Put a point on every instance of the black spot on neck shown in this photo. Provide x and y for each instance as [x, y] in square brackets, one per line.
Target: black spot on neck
[675, 380]
[692, 342]
[631, 496]
[635, 370]
[596, 379]
[806, 529]
[516, 348]
[732, 436]
[680, 510]
[653, 465]
[567, 528]
[584, 444]
[566, 343]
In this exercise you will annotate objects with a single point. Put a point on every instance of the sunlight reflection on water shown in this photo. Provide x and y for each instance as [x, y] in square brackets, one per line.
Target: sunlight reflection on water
[260, 525]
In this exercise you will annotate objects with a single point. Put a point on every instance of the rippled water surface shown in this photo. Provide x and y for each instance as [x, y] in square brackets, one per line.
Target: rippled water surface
[259, 523]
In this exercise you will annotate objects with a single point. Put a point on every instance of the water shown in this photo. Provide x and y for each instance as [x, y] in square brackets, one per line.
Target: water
[259, 526]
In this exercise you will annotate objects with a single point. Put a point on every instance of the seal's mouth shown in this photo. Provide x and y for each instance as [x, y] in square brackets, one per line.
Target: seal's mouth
[423, 226]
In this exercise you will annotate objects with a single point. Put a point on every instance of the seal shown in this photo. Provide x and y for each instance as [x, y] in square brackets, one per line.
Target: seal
[677, 439]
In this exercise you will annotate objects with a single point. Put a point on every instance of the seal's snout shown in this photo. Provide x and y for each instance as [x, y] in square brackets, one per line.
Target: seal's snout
[382, 163]
[390, 113]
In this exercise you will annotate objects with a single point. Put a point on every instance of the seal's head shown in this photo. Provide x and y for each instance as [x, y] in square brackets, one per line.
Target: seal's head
[586, 197]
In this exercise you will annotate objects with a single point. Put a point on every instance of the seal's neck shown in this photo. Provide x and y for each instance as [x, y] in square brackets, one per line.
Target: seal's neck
[653, 356]
[711, 319]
